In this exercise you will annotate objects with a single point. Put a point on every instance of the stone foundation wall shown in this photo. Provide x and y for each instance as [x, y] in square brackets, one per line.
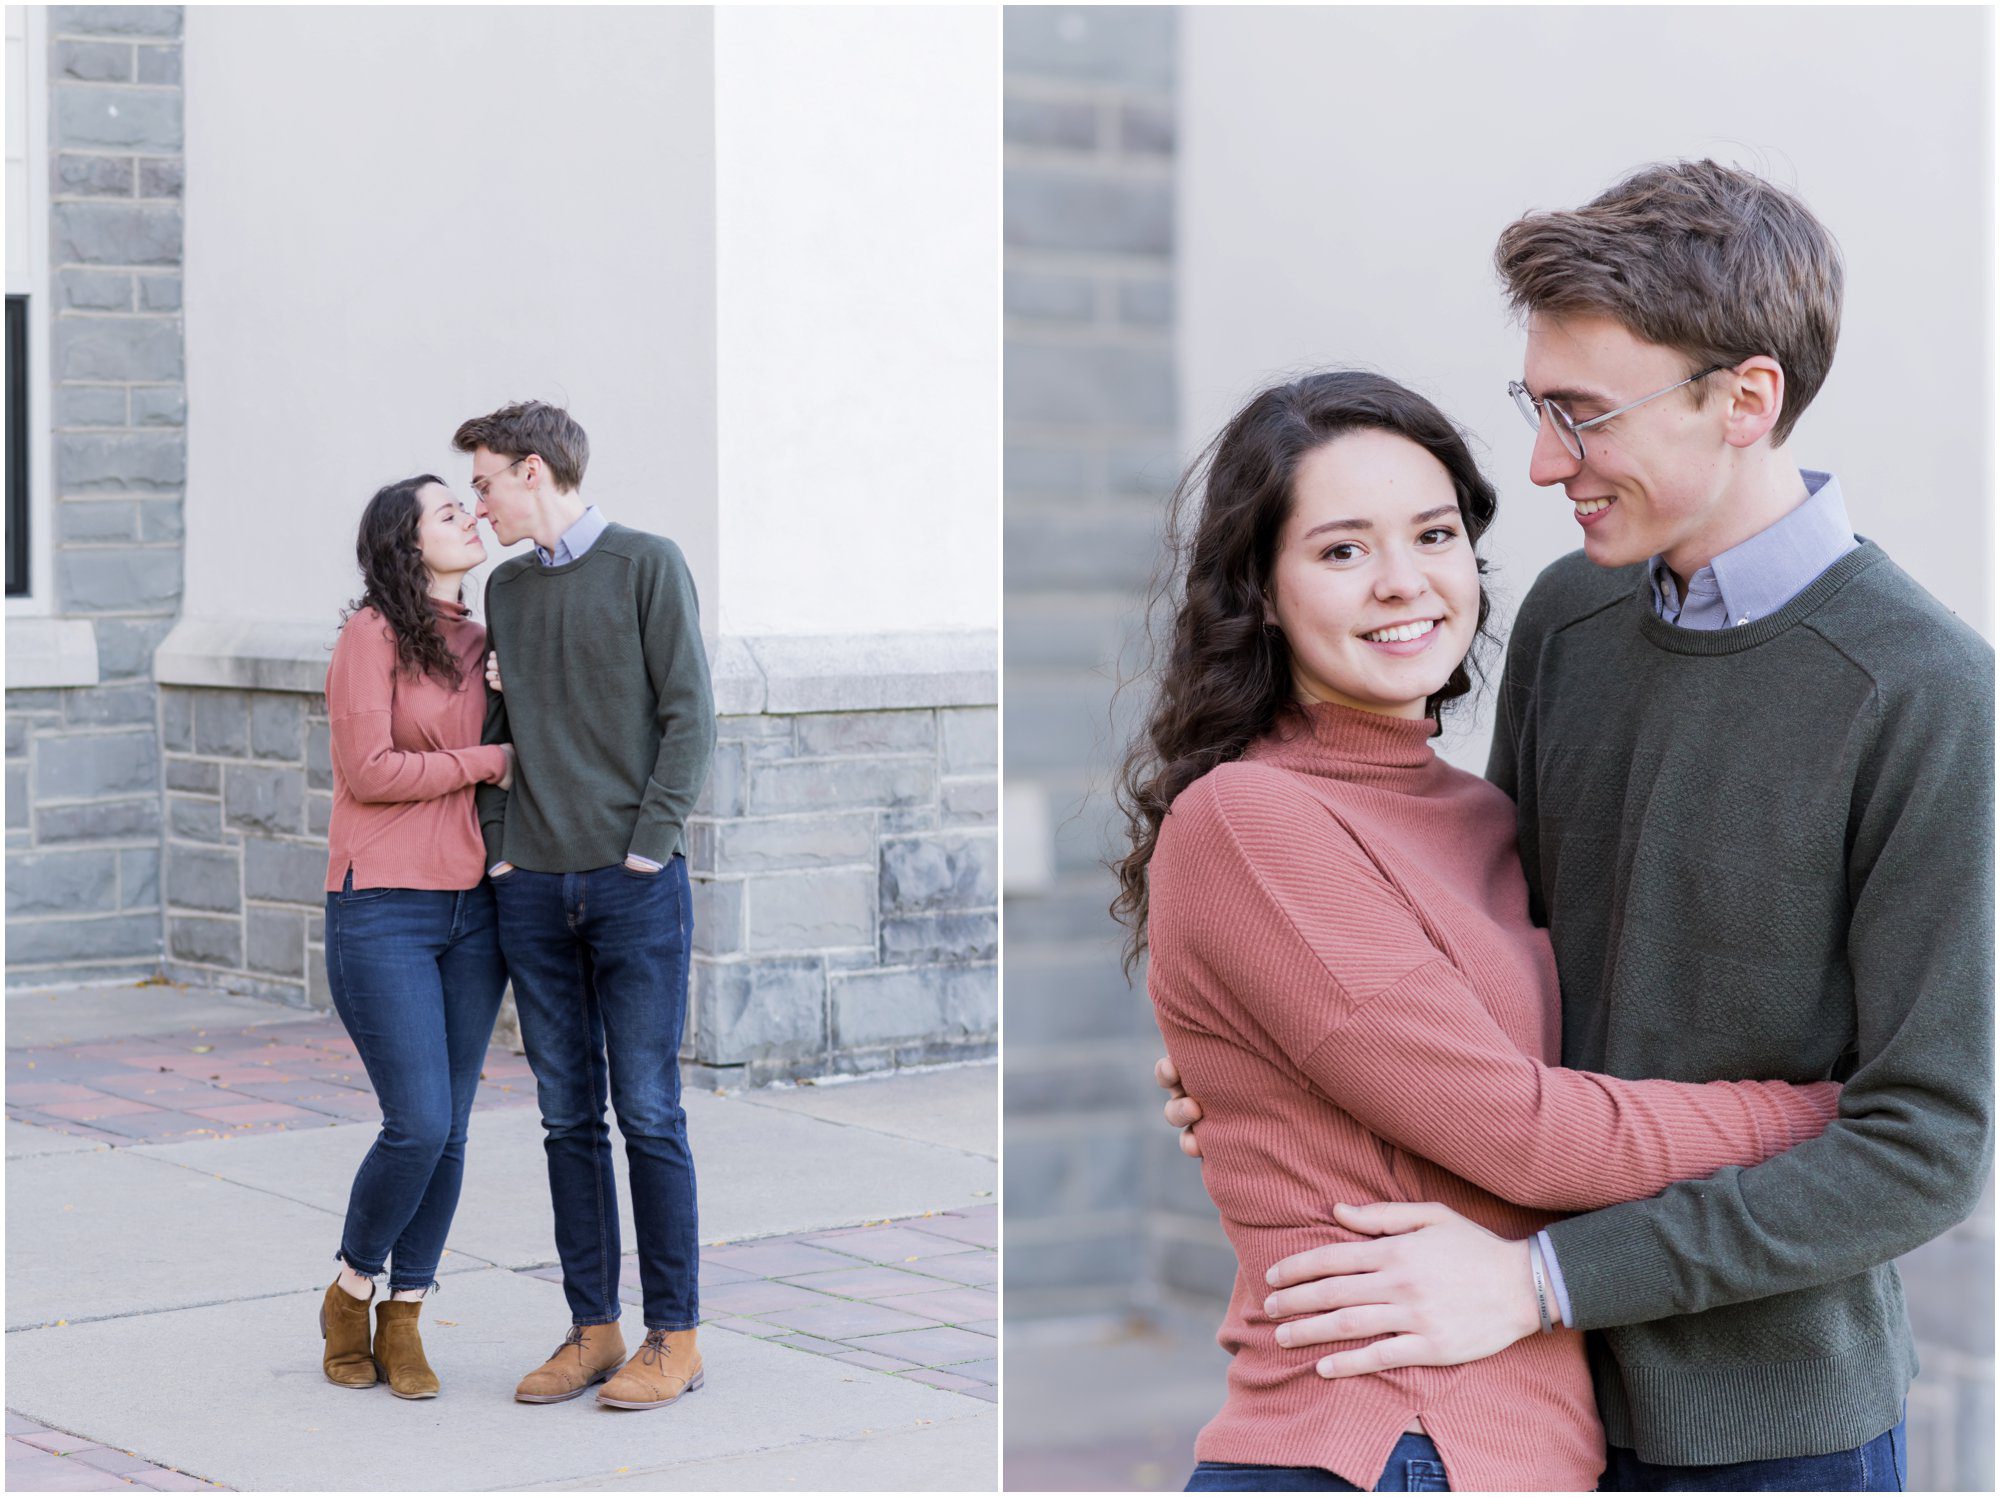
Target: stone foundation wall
[846, 877]
[845, 863]
[249, 789]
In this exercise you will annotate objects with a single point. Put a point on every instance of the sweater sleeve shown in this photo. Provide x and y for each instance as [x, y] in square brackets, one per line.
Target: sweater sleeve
[1334, 964]
[360, 698]
[1908, 1155]
[489, 797]
[677, 663]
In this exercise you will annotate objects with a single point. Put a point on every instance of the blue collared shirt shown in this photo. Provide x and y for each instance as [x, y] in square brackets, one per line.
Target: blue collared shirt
[1755, 579]
[1747, 582]
[576, 540]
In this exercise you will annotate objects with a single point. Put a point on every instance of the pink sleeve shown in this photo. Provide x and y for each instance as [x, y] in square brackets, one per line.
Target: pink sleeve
[359, 695]
[1335, 966]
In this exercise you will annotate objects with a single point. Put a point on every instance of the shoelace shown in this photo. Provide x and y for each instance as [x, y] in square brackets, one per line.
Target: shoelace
[654, 1352]
[574, 1338]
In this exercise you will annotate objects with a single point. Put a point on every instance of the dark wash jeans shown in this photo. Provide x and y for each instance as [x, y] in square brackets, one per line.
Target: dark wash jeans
[1414, 1466]
[416, 978]
[600, 967]
[1882, 1465]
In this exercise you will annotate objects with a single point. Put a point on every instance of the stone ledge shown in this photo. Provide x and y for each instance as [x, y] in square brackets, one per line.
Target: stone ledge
[765, 673]
[50, 652]
[246, 655]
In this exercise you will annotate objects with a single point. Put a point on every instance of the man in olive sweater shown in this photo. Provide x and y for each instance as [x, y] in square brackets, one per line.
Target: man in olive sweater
[597, 642]
[1753, 765]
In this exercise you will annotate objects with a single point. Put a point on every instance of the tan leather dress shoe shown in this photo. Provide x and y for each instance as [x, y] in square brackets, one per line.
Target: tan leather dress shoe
[343, 1322]
[588, 1355]
[399, 1350]
[660, 1372]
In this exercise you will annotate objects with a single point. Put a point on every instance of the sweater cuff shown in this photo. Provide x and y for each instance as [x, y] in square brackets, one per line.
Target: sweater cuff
[1617, 1272]
[488, 762]
[657, 840]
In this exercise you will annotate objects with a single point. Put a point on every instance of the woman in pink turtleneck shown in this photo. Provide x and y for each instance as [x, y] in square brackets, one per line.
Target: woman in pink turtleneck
[412, 940]
[1342, 959]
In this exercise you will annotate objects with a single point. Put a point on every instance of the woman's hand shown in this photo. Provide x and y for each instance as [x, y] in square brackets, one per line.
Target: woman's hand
[506, 780]
[1183, 1111]
[493, 669]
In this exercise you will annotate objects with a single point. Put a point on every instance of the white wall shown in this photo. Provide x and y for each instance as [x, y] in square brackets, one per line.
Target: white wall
[1345, 171]
[398, 217]
[858, 162]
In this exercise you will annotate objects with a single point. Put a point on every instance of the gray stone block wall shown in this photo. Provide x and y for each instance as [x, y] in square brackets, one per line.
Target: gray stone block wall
[248, 790]
[1091, 452]
[845, 870]
[84, 796]
[846, 878]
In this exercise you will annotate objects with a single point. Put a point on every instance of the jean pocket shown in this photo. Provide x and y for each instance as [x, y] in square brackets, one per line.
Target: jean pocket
[348, 897]
[644, 875]
[1425, 1476]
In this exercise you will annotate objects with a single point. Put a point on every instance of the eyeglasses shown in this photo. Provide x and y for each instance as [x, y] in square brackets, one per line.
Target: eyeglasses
[479, 484]
[1569, 431]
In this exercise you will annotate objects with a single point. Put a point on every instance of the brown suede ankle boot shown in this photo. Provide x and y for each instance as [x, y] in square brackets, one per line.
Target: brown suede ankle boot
[588, 1355]
[660, 1372]
[399, 1350]
[343, 1321]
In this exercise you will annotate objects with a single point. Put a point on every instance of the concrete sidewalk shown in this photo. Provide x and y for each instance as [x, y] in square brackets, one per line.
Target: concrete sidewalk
[178, 1165]
[1102, 1405]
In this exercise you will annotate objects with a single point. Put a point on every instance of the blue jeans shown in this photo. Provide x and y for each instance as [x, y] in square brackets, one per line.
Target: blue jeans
[1414, 1466]
[416, 978]
[600, 967]
[1882, 1465]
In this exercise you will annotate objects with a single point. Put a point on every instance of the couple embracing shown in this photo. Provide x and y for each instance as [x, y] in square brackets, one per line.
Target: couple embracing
[537, 834]
[1566, 1123]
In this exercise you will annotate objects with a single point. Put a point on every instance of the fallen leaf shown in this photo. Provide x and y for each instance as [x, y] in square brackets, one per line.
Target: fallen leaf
[444, 1322]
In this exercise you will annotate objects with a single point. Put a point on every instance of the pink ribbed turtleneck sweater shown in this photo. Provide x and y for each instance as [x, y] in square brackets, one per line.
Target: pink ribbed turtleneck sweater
[1346, 975]
[406, 755]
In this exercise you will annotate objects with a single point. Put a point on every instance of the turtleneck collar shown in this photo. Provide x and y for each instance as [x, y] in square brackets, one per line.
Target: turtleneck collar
[448, 610]
[1347, 743]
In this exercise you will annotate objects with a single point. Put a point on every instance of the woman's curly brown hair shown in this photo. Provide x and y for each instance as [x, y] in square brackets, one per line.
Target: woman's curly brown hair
[1226, 679]
[396, 583]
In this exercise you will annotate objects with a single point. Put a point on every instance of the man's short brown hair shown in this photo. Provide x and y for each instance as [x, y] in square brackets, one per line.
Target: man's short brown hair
[547, 431]
[1714, 262]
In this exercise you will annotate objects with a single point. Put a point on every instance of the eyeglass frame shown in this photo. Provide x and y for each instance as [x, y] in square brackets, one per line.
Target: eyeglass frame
[1565, 422]
[477, 485]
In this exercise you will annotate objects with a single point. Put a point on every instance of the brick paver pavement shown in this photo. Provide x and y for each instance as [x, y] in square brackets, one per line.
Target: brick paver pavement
[914, 1299]
[216, 1083]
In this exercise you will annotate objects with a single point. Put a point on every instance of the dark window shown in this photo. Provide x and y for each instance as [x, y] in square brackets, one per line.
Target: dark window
[17, 446]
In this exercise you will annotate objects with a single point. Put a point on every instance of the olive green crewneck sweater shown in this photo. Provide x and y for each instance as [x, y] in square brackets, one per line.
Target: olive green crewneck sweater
[1764, 852]
[606, 701]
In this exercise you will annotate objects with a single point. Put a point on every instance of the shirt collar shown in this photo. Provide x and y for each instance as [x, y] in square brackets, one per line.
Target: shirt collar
[1757, 577]
[576, 540]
